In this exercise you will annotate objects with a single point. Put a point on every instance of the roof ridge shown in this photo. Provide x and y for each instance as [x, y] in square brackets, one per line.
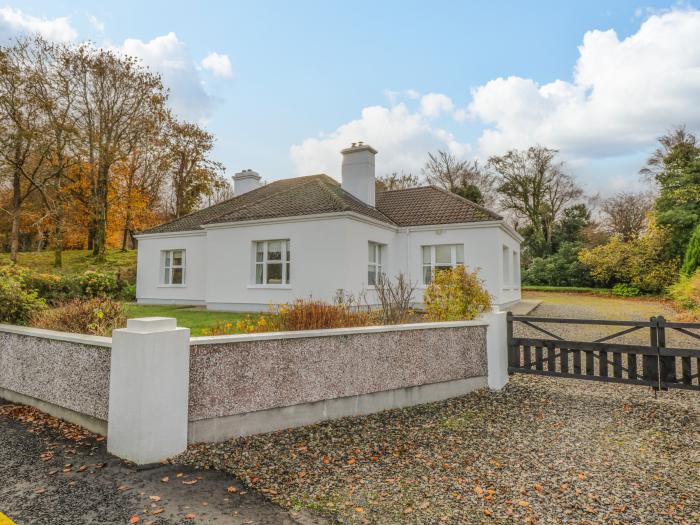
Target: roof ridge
[359, 201]
[408, 189]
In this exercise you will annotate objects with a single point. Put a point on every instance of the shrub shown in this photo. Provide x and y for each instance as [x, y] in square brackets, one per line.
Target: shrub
[560, 269]
[456, 294]
[96, 316]
[99, 284]
[395, 299]
[686, 292]
[54, 289]
[691, 262]
[626, 290]
[18, 305]
[639, 262]
[128, 292]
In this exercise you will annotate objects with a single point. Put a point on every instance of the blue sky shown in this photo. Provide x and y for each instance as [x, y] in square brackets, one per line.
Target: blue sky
[307, 77]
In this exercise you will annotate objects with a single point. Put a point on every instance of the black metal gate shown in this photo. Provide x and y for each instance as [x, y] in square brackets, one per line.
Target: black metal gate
[654, 365]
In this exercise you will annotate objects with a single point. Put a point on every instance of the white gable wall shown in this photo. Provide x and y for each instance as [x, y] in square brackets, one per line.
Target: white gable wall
[149, 289]
[327, 254]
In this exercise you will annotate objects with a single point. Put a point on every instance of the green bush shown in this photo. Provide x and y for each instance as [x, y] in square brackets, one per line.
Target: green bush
[128, 292]
[17, 305]
[626, 290]
[691, 262]
[455, 294]
[99, 284]
[54, 289]
[95, 316]
[560, 269]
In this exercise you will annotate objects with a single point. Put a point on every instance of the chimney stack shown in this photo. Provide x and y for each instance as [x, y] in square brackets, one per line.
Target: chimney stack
[358, 171]
[245, 181]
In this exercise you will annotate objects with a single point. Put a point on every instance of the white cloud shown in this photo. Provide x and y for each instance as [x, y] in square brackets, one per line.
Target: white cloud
[434, 104]
[14, 22]
[96, 23]
[170, 57]
[402, 137]
[624, 93]
[218, 64]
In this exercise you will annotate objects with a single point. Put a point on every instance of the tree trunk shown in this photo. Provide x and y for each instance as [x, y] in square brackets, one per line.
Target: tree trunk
[58, 238]
[100, 244]
[16, 209]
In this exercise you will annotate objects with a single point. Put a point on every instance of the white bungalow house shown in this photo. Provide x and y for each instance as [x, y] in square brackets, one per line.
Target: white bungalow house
[311, 236]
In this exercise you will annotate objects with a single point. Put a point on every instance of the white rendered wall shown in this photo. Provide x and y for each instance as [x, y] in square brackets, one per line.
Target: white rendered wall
[149, 290]
[510, 283]
[327, 254]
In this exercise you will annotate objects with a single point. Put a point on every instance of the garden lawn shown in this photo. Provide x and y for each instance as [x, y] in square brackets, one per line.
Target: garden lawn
[193, 317]
[76, 262]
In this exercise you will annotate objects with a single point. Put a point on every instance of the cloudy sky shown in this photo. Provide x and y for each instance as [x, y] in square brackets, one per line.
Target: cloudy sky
[285, 85]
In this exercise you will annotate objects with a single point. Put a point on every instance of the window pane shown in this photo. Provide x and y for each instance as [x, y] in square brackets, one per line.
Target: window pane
[426, 254]
[166, 259]
[274, 273]
[258, 274]
[460, 254]
[443, 254]
[177, 258]
[427, 274]
[371, 275]
[372, 252]
[379, 253]
[274, 251]
[177, 275]
[166, 276]
[288, 274]
[259, 251]
[287, 243]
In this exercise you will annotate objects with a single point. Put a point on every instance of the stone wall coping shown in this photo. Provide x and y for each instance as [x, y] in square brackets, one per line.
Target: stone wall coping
[92, 340]
[330, 332]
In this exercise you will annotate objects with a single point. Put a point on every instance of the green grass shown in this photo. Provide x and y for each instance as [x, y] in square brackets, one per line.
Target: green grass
[566, 289]
[193, 317]
[76, 262]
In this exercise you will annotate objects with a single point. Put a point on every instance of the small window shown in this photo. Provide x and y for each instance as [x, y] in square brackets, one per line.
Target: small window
[506, 266]
[440, 256]
[376, 262]
[272, 262]
[173, 267]
[516, 268]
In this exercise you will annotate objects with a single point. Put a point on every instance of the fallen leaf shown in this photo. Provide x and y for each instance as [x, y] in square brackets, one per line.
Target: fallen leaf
[190, 482]
[488, 512]
[134, 519]
[190, 516]
[165, 479]
[351, 461]
[39, 491]
[179, 475]
[232, 489]
[326, 460]
[158, 510]
[359, 509]
[154, 498]
[523, 503]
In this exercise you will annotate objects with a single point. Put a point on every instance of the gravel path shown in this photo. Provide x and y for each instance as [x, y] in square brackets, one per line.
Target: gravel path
[52, 473]
[542, 450]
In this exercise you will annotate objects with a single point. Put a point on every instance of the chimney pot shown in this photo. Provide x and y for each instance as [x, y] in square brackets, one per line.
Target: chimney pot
[245, 181]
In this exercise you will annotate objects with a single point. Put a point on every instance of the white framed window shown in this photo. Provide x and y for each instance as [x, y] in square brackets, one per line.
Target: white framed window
[506, 266]
[376, 262]
[272, 262]
[440, 256]
[173, 267]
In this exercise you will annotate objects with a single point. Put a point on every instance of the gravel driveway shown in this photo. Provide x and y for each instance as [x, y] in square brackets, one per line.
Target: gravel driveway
[543, 450]
[53, 472]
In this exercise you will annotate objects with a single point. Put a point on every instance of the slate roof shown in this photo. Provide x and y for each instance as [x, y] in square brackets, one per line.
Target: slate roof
[318, 194]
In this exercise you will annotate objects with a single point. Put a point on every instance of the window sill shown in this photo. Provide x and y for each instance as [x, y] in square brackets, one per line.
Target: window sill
[172, 286]
[269, 286]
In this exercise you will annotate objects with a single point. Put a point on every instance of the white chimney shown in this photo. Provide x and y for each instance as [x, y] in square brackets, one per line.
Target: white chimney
[245, 181]
[358, 171]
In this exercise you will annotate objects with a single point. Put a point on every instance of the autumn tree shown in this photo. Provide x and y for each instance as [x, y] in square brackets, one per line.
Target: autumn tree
[625, 213]
[532, 185]
[118, 100]
[193, 175]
